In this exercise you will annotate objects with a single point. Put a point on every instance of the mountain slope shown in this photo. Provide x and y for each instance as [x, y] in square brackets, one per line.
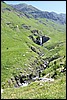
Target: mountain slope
[25, 8]
[21, 55]
[28, 9]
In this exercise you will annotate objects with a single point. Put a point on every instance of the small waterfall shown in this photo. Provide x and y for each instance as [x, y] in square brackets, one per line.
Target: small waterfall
[40, 40]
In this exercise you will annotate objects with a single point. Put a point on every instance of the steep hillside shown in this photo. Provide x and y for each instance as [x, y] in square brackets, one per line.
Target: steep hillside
[36, 13]
[32, 51]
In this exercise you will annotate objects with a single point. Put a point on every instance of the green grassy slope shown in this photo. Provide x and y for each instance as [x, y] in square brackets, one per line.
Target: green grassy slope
[47, 90]
[16, 52]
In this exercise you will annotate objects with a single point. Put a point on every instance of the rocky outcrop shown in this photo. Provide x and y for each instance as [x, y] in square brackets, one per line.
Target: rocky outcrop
[34, 31]
[25, 26]
[31, 37]
[33, 49]
[40, 39]
[54, 57]
[45, 39]
[6, 9]
[23, 79]
[8, 23]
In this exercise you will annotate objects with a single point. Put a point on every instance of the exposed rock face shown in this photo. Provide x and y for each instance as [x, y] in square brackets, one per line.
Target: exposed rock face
[44, 39]
[39, 40]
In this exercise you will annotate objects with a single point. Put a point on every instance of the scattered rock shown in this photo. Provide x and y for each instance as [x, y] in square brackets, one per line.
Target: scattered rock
[19, 83]
[44, 66]
[26, 27]
[7, 9]
[22, 76]
[8, 23]
[2, 90]
[23, 55]
[24, 84]
[33, 49]
[17, 68]
[25, 64]
[31, 37]
[46, 79]
[53, 76]
[34, 31]
[16, 26]
[9, 82]
[12, 79]
[35, 78]
[16, 85]
[41, 84]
